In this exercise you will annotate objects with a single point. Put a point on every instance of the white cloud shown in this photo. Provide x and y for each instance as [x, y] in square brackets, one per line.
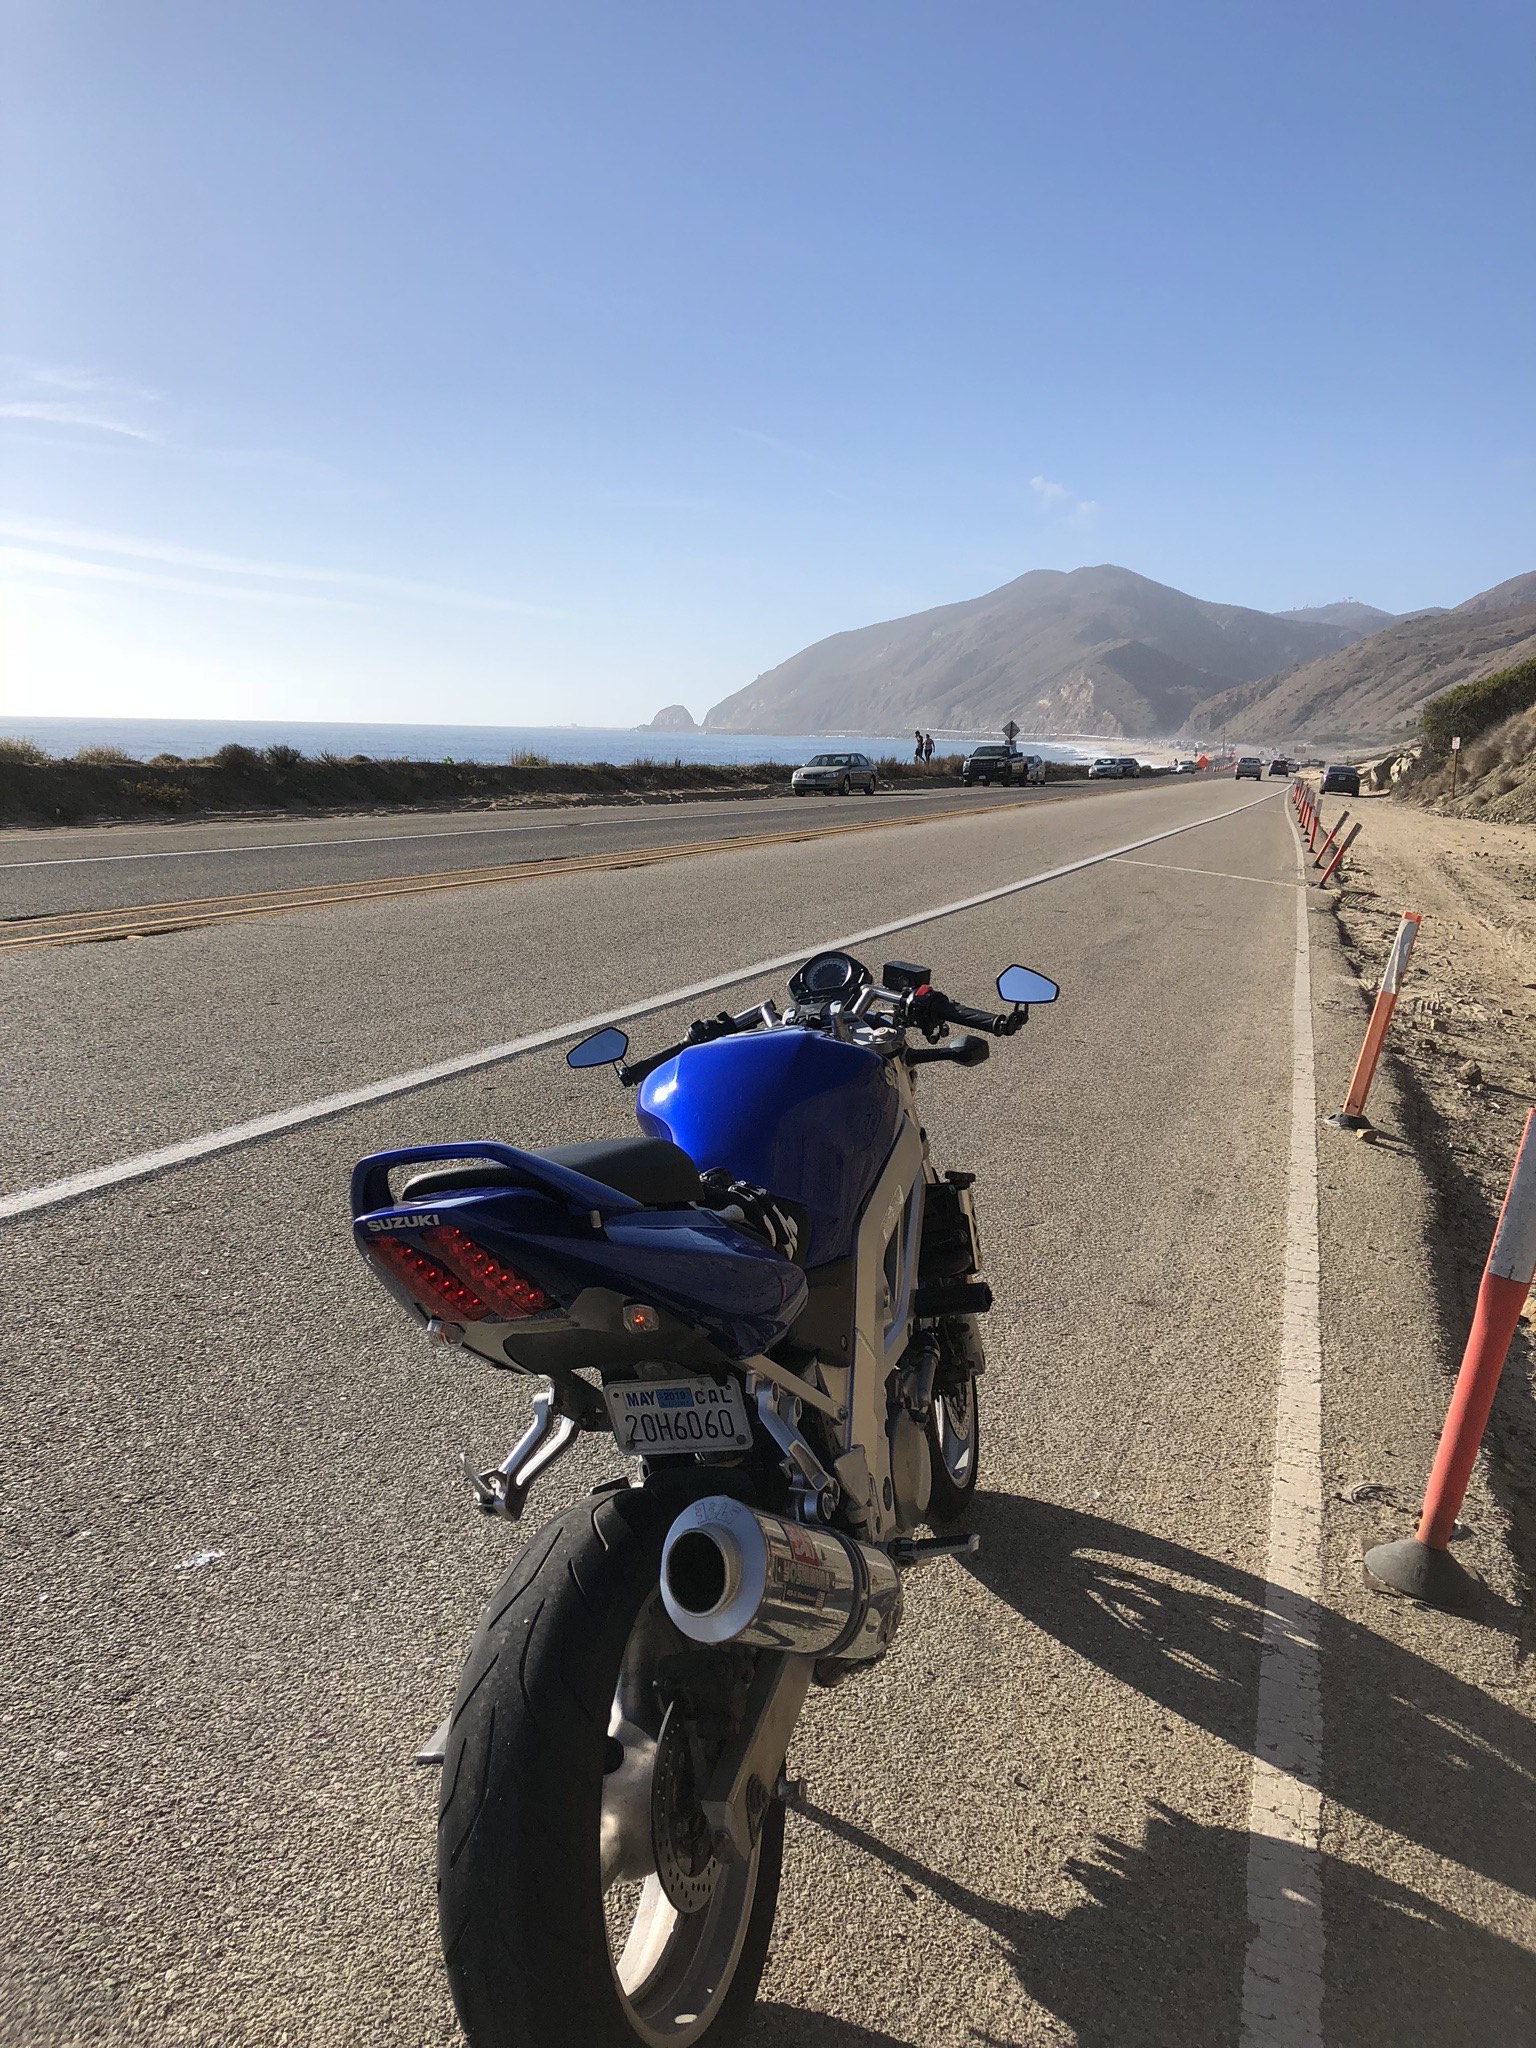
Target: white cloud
[1054, 497]
[95, 383]
[92, 399]
[56, 415]
[780, 447]
[51, 547]
[27, 564]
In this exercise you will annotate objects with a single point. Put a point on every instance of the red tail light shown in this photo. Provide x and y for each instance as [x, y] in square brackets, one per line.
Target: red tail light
[506, 1292]
[440, 1292]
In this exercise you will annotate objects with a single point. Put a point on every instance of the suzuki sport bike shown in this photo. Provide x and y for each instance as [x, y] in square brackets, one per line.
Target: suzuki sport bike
[769, 1300]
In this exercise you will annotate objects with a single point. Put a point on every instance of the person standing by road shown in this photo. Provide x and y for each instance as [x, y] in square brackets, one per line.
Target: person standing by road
[917, 751]
[927, 748]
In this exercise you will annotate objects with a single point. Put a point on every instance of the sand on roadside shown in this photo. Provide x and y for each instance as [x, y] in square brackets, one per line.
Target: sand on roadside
[1463, 1041]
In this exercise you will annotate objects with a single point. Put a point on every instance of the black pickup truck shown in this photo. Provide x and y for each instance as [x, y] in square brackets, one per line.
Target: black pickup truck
[1000, 764]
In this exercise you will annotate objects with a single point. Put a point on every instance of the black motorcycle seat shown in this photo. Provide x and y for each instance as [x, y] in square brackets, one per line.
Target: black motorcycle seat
[649, 1170]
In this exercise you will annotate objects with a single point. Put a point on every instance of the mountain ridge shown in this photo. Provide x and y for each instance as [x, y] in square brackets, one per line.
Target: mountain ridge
[1092, 649]
[1377, 687]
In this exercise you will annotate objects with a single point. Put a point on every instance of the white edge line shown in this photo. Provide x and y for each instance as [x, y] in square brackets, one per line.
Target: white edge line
[1283, 1970]
[1166, 867]
[28, 1200]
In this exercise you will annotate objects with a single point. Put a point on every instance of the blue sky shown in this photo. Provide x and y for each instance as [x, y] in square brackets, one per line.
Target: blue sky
[549, 363]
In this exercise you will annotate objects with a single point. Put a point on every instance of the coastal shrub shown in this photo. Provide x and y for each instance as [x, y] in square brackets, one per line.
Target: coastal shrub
[104, 757]
[164, 761]
[281, 757]
[25, 752]
[167, 796]
[1471, 708]
[237, 758]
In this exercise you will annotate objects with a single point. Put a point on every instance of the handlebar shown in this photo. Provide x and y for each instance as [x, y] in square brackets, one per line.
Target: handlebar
[700, 1032]
[929, 1010]
[926, 1008]
[983, 1020]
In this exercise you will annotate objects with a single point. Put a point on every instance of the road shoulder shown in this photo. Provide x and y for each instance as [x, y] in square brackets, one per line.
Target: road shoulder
[1429, 1721]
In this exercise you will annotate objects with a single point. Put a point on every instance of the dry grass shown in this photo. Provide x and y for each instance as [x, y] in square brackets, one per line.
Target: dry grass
[1497, 778]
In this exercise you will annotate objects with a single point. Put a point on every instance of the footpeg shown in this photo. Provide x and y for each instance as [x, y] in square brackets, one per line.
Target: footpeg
[908, 1551]
[433, 1752]
[951, 1298]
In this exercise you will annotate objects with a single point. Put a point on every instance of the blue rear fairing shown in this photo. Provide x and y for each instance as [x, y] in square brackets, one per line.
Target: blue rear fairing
[686, 1262]
[797, 1112]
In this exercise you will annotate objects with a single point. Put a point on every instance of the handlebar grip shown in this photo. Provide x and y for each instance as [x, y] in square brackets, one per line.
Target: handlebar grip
[977, 1020]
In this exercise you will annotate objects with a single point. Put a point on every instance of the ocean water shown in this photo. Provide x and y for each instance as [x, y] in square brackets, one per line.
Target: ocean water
[143, 738]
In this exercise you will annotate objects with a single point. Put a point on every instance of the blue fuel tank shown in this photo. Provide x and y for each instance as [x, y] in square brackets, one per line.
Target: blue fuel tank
[796, 1112]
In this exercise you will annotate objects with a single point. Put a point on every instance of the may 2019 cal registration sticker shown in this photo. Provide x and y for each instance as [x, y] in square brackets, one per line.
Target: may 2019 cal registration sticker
[678, 1415]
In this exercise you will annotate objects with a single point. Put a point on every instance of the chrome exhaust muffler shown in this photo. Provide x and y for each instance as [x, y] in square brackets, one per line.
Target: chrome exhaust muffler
[731, 1574]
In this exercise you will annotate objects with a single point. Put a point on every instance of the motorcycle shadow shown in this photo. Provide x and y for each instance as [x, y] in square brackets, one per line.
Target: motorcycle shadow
[787, 2026]
[1153, 1954]
[1153, 1951]
[1409, 1745]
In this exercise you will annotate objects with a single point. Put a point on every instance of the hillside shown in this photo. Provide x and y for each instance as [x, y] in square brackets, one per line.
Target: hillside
[1098, 650]
[1365, 617]
[1375, 688]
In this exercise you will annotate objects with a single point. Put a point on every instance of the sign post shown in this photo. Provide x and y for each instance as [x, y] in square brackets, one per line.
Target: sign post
[1011, 733]
[1455, 763]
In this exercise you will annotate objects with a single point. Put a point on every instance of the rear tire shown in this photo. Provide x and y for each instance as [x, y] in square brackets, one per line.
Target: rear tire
[532, 1939]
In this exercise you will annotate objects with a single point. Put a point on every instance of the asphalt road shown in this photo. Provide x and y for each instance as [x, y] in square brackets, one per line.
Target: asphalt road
[1030, 1824]
[45, 873]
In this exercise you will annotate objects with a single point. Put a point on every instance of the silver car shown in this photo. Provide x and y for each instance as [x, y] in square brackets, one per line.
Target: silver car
[1106, 766]
[835, 775]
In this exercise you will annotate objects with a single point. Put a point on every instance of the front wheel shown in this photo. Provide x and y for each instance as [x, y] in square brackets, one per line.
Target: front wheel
[580, 1900]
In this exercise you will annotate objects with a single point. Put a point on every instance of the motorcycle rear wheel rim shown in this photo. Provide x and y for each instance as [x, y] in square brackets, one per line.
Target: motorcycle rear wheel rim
[672, 1971]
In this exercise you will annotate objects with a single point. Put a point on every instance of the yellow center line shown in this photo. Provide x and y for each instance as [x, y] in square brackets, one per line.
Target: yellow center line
[145, 920]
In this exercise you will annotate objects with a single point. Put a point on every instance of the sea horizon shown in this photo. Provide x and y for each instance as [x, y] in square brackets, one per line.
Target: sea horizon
[193, 738]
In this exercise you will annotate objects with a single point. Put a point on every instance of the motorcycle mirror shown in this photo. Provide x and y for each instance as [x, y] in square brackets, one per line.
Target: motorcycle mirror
[1023, 985]
[602, 1049]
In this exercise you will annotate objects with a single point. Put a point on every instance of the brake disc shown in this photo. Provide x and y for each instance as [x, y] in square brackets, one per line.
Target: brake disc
[686, 1863]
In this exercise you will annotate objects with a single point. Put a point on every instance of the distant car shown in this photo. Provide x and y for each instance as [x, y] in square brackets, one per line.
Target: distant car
[1340, 779]
[1104, 767]
[1129, 765]
[991, 764]
[1279, 765]
[1250, 764]
[835, 775]
[1184, 768]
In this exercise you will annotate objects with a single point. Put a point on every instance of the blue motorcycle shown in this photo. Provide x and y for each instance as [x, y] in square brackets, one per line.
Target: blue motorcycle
[770, 1300]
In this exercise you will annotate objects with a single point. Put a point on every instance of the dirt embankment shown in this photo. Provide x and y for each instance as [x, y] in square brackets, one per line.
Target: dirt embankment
[1493, 775]
[1464, 1040]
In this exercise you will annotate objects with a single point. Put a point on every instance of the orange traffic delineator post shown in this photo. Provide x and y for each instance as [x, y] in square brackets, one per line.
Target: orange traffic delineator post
[1339, 852]
[1352, 1116]
[1317, 819]
[1323, 849]
[1421, 1565]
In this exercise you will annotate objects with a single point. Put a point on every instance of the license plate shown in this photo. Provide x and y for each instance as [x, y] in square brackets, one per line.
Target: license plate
[678, 1415]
